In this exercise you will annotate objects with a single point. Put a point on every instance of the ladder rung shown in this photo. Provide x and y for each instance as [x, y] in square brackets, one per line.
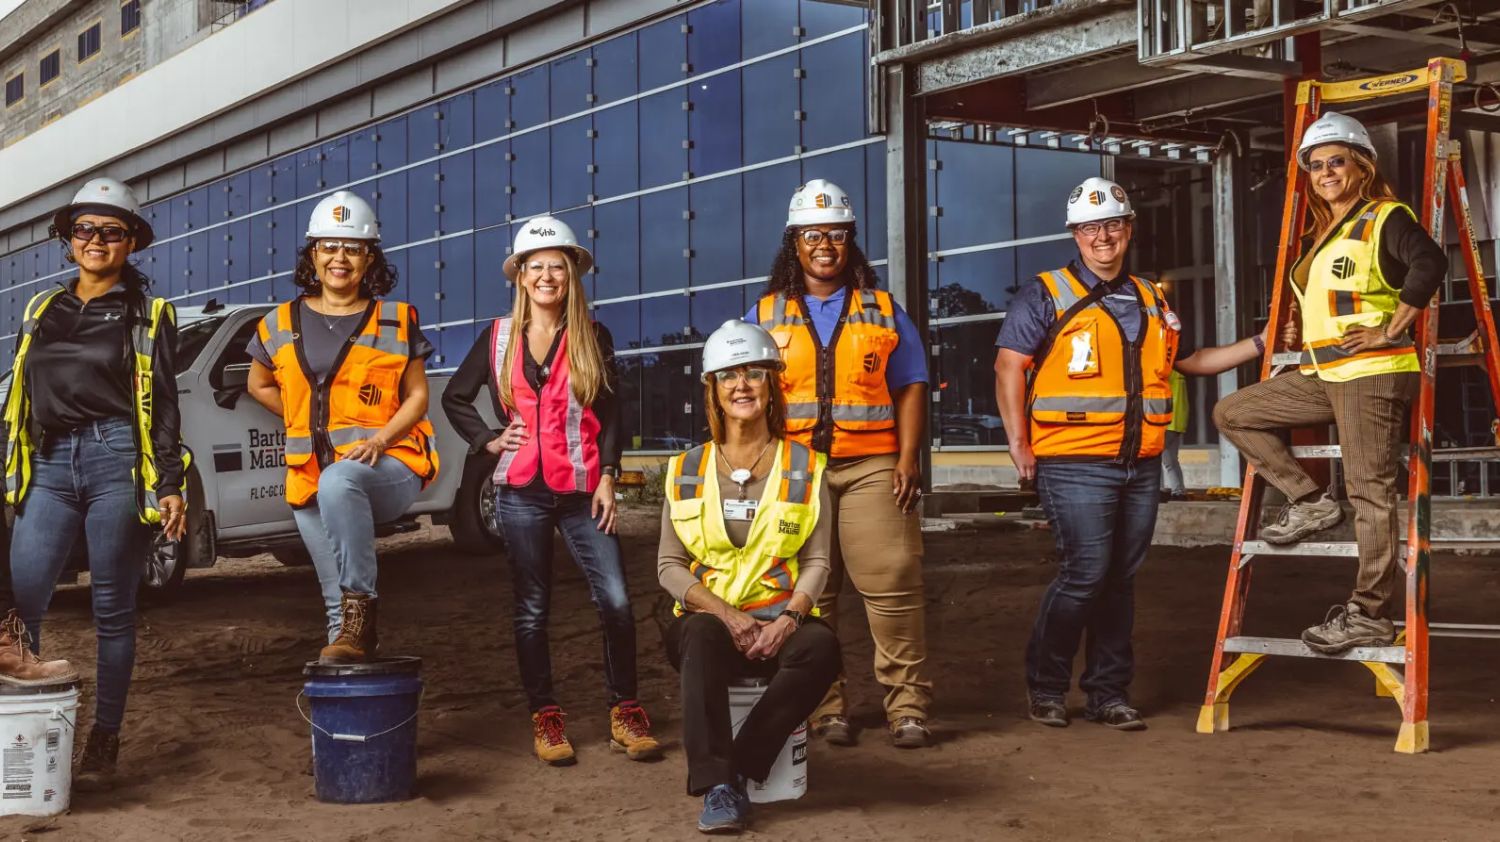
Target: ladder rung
[1350, 549]
[1472, 630]
[1297, 649]
[1447, 454]
[1444, 349]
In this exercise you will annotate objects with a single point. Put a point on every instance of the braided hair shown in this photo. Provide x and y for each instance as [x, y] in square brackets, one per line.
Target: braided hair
[786, 272]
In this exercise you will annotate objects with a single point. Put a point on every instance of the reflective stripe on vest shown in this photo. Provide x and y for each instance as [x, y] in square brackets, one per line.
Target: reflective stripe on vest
[1346, 288]
[358, 399]
[859, 419]
[760, 577]
[564, 440]
[20, 445]
[1079, 399]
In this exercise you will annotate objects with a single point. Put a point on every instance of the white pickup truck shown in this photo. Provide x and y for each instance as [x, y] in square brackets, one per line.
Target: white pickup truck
[235, 499]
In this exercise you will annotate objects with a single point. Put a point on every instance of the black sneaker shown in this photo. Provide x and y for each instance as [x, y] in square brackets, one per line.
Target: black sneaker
[1117, 715]
[1048, 711]
[1347, 626]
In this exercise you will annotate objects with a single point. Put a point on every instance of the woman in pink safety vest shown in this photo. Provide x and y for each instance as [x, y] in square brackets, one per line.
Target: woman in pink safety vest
[554, 389]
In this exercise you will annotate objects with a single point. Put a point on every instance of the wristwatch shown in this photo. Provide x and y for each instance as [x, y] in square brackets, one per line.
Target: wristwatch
[610, 471]
[797, 616]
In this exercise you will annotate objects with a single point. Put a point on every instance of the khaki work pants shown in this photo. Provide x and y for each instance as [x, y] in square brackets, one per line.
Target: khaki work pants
[880, 549]
[1370, 413]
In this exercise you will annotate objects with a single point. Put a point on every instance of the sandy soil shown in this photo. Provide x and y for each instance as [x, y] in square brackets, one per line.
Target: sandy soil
[214, 748]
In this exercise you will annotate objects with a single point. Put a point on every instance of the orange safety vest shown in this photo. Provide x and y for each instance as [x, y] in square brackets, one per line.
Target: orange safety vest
[837, 400]
[355, 403]
[1093, 395]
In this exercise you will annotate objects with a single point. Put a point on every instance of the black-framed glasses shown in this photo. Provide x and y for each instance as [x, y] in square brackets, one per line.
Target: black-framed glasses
[734, 375]
[352, 248]
[85, 231]
[837, 236]
[1093, 229]
[1332, 162]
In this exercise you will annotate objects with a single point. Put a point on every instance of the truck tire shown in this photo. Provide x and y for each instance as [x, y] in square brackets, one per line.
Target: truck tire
[473, 524]
[167, 561]
[292, 555]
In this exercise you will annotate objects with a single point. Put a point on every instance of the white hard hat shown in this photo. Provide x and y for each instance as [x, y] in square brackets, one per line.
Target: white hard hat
[105, 193]
[1334, 127]
[738, 343]
[343, 214]
[546, 232]
[1098, 198]
[819, 202]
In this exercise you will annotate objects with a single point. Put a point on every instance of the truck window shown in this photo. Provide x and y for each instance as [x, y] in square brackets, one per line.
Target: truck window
[234, 353]
[191, 339]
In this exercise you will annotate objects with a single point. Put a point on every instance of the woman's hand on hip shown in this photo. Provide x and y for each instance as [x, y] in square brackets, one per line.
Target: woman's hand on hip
[906, 484]
[512, 438]
[173, 516]
[1357, 339]
[603, 506]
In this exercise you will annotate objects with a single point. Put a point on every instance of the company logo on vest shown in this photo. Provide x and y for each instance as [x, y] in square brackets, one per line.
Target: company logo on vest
[370, 394]
[1343, 267]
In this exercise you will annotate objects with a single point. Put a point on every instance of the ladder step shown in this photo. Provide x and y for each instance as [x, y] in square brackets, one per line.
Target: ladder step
[1350, 549]
[1297, 649]
[1447, 454]
[1470, 630]
[1463, 347]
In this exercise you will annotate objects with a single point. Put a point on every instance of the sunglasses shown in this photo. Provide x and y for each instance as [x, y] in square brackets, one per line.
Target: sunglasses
[85, 231]
[350, 248]
[1333, 162]
[813, 236]
[1093, 229]
[734, 375]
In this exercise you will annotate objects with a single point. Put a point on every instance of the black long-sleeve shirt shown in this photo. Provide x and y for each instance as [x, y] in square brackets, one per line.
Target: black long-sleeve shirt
[475, 372]
[80, 370]
[1409, 259]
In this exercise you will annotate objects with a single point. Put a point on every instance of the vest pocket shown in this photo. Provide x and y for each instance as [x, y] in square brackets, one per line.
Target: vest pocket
[372, 395]
[1079, 341]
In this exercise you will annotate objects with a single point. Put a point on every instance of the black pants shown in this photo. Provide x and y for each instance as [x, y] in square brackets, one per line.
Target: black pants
[700, 647]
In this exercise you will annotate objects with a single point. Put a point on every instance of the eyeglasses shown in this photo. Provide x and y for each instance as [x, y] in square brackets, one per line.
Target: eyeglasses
[734, 375]
[1332, 162]
[352, 248]
[85, 231]
[550, 268]
[1092, 229]
[837, 236]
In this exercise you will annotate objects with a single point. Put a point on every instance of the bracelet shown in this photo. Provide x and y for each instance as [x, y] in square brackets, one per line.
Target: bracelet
[1260, 344]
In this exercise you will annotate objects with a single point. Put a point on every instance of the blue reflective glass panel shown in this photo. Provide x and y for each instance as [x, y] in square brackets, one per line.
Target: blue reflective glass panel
[1044, 178]
[530, 174]
[966, 411]
[422, 200]
[309, 171]
[712, 307]
[390, 139]
[529, 102]
[336, 164]
[572, 154]
[872, 223]
[671, 401]
[715, 37]
[617, 249]
[767, 192]
[457, 127]
[771, 95]
[833, 93]
[663, 132]
[492, 110]
[663, 51]
[572, 82]
[664, 264]
[615, 68]
[420, 283]
[714, 124]
[456, 282]
[363, 154]
[457, 192]
[615, 151]
[969, 284]
[767, 25]
[822, 17]
[623, 320]
[715, 232]
[290, 226]
[284, 179]
[491, 178]
[971, 176]
[665, 321]
[492, 295]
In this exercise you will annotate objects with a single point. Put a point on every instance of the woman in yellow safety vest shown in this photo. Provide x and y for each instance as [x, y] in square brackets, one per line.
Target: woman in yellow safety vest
[1366, 272]
[92, 450]
[745, 544]
[856, 389]
[345, 371]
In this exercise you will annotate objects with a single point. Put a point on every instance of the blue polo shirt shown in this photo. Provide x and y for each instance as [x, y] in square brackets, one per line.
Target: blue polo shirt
[908, 362]
[1031, 314]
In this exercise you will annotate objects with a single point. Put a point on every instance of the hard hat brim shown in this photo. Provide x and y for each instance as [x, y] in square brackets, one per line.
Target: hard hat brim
[62, 223]
[581, 256]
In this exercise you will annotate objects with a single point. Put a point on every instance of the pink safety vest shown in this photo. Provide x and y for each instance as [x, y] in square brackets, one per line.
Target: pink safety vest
[564, 440]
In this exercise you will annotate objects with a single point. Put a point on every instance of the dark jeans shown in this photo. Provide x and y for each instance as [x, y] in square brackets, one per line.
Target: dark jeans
[700, 647]
[529, 517]
[81, 484]
[1102, 515]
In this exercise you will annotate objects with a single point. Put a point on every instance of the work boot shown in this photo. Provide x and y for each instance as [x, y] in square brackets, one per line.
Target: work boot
[96, 769]
[358, 639]
[1299, 520]
[547, 736]
[910, 732]
[1047, 711]
[726, 809]
[1117, 715]
[1346, 627]
[630, 732]
[834, 729]
[19, 665]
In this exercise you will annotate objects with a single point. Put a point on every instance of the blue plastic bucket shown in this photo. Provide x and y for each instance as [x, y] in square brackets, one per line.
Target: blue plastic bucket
[364, 729]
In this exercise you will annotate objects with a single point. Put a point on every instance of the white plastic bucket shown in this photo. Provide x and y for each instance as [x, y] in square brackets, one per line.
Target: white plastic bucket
[36, 749]
[788, 778]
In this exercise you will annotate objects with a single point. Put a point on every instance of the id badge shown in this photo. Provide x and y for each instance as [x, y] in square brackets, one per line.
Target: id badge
[740, 509]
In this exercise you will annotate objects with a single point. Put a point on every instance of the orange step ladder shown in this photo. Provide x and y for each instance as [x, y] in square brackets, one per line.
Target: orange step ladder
[1400, 670]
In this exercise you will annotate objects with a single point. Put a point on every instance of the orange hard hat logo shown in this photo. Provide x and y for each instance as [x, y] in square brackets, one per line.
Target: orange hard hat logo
[340, 213]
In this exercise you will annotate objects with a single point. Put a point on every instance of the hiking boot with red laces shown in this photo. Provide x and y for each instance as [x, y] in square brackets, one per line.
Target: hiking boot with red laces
[630, 732]
[20, 666]
[551, 743]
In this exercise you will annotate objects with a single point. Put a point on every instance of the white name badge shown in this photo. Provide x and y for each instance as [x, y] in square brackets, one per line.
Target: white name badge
[740, 509]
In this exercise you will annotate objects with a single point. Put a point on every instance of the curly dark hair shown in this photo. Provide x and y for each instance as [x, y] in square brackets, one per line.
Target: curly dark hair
[786, 272]
[379, 278]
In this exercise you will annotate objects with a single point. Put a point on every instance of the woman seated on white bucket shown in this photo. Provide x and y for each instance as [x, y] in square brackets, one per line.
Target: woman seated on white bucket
[744, 552]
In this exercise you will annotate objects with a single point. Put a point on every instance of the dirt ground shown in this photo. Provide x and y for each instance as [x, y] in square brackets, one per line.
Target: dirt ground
[214, 747]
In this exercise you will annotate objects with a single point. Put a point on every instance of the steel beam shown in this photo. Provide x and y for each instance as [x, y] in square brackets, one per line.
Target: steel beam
[1060, 87]
[1036, 50]
[1229, 190]
[1271, 34]
[1191, 96]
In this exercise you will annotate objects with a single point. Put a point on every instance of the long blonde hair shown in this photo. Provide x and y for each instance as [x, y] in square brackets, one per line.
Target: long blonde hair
[1374, 186]
[585, 360]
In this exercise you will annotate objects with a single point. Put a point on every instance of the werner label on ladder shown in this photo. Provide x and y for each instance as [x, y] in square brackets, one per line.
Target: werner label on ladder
[1362, 328]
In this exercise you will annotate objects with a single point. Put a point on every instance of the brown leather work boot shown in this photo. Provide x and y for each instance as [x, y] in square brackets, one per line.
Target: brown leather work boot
[19, 665]
[547, 736]
[630, 732]
[96, 769]
[358, 639]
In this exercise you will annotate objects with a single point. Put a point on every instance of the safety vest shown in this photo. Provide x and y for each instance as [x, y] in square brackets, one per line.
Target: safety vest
[837, 400]
[1345, 288]
[564, 440]
[19, 442]
[1094, 395]
[760, 577]
[353, 404]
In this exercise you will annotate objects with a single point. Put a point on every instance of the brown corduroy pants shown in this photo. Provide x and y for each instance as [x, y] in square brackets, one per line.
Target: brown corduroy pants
[1370, 413]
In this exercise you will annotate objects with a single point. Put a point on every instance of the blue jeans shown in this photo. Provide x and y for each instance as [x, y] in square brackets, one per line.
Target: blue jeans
[528, 516]
[338, 526]
[82, 484]
[1102, 515]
